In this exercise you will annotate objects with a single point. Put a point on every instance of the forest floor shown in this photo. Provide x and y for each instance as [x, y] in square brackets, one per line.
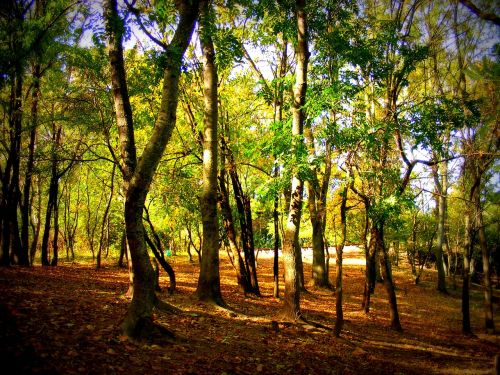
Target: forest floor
[65, 320]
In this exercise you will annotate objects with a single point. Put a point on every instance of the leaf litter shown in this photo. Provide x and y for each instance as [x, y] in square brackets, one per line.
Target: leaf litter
[66, 320]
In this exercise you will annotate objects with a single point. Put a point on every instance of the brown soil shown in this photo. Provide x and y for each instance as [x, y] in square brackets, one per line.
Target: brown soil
[66, 320]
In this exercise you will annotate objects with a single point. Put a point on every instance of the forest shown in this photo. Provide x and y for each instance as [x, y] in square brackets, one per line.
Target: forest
[241, 187]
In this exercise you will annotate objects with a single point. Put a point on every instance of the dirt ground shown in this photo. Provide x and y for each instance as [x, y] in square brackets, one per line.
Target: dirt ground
[65, 320]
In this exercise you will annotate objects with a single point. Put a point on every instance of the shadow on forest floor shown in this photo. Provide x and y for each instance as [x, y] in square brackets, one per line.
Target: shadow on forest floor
[66, 320]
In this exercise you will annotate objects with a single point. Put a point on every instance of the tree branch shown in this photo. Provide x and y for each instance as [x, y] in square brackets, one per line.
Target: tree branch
[491, 17]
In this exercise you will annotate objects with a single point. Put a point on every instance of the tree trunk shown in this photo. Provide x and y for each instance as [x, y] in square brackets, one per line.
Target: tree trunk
[26, 208]
[123, 249]
[319, 275]
[441, 205]
[227, 217]
[11, 239]
[466, 327]
[291, 249]
[488, 291]
[339, 321]
[36, 223]
[387, 276]
[278, 115]
[123, 109]
[276, 290]
[165, 265]
[55, 245]
[370, 270]
[245, 219]
[209, 278]
[317, 211]
[105, 219]
[52, 200]
[138, 321]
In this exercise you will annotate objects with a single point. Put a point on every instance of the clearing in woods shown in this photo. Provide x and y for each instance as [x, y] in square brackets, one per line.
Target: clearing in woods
[66, 320]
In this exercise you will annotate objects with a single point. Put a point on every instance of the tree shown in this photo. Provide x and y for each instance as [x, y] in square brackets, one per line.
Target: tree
[138, 321]
[291, 248]
[480, 144]
[31, 30]
[481, 13]
[339, 321]
[209, 280]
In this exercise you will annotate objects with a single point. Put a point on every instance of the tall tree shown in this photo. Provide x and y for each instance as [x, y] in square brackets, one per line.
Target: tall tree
[123, 110]
[441, 182]
[209, 279]
[291, 248]
[339, 321]
[13, 19]
[138, 321]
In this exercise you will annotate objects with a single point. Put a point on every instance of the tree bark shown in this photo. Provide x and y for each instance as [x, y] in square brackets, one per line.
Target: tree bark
[105, 219]
[339, 321]
[227, 217]
[209, 278]
[138, 321]
[122, 107]
[52, 200]
[467, 249]
[36, 223]
[485, 254]
[291, 249]
[441, 205]
[165, 265]
[370, 270]
[276, 289]
[387, 276]
[26, 208]
[11, 240]
[245, 219]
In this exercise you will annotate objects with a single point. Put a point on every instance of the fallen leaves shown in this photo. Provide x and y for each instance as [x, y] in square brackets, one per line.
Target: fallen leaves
[68, 318]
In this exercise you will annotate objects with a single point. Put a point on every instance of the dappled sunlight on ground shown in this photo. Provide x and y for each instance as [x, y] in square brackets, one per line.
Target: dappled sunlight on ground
[68, 318]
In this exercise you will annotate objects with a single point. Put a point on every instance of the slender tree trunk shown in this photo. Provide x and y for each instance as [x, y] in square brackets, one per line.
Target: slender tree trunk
[276, 290]
[52, 201]
[36, 223]
[291, 249]
[139, 175]
[278, 115]
[46, 232]
[122, 107]
[227, 215]
[105, 218]
[370, 270]
[25, 212]
[441, 204]
[11, 239]
[339, 321]
[165, 265]
[209, 279]
[245, 219]
[488, 290]
[387, 275]
[252, 261]
[55, 246]
[123, 249]
[466, 326]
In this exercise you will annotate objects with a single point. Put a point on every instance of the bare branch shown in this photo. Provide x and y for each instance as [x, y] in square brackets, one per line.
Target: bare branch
[491, 17]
